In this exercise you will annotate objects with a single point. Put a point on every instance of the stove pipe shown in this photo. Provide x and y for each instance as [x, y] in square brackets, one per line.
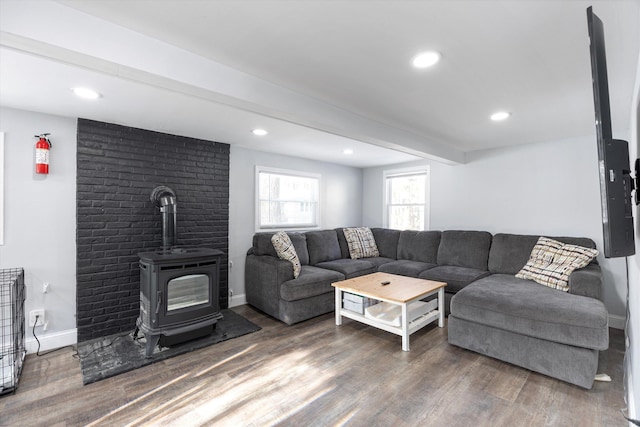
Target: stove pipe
[165, 199]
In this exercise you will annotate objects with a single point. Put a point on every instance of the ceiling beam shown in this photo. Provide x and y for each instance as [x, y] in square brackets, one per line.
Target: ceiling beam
[169, 68]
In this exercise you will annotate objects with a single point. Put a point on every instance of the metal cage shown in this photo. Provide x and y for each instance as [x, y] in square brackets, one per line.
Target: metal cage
[12, 348]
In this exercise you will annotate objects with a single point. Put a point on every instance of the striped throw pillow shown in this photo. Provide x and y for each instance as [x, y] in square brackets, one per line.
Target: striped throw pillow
[361, 242]
[285, 250]
[551, 262]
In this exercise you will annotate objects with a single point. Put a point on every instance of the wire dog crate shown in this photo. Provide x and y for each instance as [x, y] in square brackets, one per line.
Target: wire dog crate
[12, 350]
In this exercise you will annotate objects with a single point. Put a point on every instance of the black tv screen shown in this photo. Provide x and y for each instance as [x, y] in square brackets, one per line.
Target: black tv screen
[613, 155]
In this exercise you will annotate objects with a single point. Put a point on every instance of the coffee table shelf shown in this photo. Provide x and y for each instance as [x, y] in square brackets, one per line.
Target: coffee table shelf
[401, 291]
[414, 325]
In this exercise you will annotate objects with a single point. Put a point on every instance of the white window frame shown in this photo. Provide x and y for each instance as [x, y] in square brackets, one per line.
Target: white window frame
[406, 171]
[289, 172]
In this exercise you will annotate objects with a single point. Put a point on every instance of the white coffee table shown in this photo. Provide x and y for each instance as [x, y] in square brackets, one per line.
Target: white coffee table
[401, 291]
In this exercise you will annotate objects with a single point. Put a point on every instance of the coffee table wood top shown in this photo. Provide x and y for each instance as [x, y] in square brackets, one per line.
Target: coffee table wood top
[401, 289]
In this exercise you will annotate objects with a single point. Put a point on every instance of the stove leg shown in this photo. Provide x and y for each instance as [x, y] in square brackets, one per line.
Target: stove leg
[152, 342]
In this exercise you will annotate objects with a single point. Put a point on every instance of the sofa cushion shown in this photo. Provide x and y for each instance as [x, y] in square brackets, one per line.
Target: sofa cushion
[551, 262]
[349, 267]
[464, 249]
[525, 307]
[300, 244]
[419, 246]
[361, 242]
[262, 245]
[285, 250]
[405, 267]
[455, 277]
[510, 252]
[342, 242]
[311, 282]
[586, 281]
[387, 241]
[379, 261]
[323, 246]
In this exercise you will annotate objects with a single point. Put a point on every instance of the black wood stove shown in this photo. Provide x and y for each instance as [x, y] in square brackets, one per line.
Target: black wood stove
[179, 287]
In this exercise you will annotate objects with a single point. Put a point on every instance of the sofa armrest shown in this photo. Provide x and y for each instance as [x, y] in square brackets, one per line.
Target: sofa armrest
[587, 281]
[263, 276]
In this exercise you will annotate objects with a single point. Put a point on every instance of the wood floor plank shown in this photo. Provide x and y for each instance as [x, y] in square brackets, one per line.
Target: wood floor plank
[508, 382]
[314, 374]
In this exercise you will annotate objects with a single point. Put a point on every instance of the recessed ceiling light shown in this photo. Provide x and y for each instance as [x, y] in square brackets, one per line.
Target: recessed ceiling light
[259, 132]
[500, 115]
[348, 151]
[426, 59]
[86, 93]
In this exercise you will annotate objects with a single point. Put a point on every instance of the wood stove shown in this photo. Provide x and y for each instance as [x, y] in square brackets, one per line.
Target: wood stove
[178, 295]
[179, 287]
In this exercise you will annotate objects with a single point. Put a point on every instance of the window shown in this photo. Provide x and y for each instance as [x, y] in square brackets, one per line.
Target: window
[406, 199]
[286, 199]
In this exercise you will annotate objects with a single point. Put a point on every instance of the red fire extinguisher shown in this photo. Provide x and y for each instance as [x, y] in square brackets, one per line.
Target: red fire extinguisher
[42, 153]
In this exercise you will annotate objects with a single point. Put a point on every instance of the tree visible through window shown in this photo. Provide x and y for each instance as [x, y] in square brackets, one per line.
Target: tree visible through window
[287, 199]
[406, 200]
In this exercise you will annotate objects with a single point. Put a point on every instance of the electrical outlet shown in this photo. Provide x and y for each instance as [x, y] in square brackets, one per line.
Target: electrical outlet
[32, 317]
[45, 287]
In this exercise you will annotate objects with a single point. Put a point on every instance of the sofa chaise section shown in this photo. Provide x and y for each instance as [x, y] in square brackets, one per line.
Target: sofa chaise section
[530, 325]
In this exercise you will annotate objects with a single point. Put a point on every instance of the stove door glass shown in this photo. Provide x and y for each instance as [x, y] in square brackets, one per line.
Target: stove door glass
[187, 291]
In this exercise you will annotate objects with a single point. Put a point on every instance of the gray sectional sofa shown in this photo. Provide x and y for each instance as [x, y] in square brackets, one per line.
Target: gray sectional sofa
[491, 311]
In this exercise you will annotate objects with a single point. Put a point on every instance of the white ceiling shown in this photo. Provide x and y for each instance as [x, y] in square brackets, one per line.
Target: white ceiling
[323, 76]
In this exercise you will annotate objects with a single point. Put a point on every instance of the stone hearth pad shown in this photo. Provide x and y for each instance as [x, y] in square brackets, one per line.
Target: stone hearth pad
[112, 355]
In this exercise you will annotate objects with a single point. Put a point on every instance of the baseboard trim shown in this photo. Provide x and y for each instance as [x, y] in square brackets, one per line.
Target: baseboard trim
[617, 322]
[237, 300]
[52, 341]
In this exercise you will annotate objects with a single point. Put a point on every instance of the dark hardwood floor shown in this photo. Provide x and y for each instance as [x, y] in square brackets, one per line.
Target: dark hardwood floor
[315, 374]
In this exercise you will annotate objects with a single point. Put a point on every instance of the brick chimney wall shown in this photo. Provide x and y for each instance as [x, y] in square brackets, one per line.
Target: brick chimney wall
[117, 168]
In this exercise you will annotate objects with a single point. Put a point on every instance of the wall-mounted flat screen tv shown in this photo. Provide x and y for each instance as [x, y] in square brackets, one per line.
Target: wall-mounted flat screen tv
[616, 184]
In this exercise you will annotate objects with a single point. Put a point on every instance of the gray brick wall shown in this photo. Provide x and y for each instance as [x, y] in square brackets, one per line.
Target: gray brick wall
[118, 167]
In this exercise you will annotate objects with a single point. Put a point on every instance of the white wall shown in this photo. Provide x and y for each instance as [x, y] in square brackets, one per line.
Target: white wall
[633, 326]
[548, 188]
[341, 194]
[40, 214]
[40, 220]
